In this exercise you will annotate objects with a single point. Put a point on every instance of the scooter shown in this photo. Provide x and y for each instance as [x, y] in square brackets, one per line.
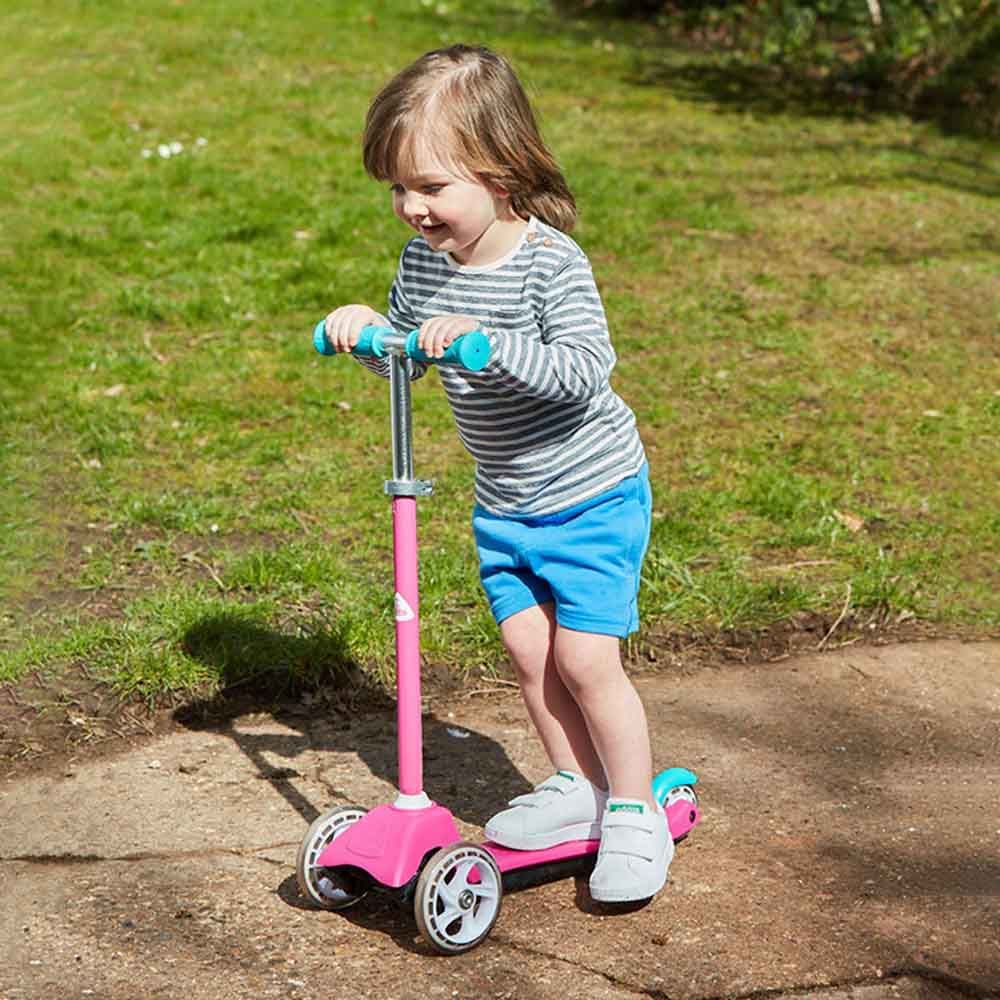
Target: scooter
[411, 848]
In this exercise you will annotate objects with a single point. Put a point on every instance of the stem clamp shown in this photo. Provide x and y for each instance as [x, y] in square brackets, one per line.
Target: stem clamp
[409, 487]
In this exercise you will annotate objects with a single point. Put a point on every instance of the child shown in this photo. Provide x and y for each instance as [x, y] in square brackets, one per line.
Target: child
[563, 504]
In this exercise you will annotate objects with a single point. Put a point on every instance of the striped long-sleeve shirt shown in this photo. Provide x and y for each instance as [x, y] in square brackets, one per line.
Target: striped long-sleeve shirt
[541, 420]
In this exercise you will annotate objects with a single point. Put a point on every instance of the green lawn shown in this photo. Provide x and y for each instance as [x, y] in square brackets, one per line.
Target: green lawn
[805, 307]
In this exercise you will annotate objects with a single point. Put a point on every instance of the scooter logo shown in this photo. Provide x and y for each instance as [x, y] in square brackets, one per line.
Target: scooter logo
[404, 613]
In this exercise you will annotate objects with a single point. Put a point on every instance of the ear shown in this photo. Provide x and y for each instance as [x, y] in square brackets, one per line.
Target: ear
[496, 188]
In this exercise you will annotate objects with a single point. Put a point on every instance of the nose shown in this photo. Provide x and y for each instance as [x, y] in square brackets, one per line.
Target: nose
[414, 206]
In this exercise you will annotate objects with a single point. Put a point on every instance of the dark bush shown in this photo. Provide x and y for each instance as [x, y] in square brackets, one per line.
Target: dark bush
[935, 56]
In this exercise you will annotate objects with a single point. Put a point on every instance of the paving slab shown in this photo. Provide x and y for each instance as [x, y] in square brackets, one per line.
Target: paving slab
[850, 847]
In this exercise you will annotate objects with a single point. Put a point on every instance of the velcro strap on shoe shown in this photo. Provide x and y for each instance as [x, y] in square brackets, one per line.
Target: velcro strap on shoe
[629, 839]
[558, 784]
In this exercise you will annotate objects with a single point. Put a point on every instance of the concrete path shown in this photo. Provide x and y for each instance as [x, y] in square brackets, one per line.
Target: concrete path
[850, 848]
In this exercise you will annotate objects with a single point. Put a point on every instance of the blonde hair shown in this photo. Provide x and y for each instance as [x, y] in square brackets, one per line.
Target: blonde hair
[466, 104]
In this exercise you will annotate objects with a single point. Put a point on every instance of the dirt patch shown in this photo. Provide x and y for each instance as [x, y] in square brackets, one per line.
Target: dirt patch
[49, 721]
[46, 721]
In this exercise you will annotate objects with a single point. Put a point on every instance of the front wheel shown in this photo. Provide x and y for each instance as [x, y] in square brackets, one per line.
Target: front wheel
[328, 888]
[458, 897]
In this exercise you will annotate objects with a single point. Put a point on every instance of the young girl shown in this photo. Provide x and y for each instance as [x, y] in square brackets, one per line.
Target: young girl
[563, 504]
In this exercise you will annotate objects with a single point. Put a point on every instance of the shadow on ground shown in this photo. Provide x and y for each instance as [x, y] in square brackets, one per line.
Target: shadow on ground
[340, 710]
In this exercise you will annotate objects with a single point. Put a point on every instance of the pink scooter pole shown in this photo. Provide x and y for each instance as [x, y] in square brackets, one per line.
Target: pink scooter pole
[409, 736]
[470, 352]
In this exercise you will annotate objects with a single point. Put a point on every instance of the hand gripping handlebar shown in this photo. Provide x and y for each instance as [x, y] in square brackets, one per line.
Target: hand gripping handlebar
[470, 351]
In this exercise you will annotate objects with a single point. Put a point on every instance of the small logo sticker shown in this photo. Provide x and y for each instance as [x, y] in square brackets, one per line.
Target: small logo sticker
[404, 613]
[627, 807]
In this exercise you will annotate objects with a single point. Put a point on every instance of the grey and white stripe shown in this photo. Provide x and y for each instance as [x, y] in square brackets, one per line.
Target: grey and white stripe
[541, 420]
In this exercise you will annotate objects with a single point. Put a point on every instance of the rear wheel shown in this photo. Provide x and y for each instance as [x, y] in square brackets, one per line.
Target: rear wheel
[682, 793]
[328, 888]
[680, 806]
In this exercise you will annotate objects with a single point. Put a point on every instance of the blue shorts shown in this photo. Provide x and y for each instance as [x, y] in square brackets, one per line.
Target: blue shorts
[586, 559]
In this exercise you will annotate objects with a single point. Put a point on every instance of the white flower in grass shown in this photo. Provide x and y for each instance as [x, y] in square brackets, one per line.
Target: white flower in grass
[165, 150]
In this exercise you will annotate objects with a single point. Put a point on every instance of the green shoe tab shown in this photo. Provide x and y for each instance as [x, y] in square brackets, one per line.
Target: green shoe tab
[566, 774]
[626, 807]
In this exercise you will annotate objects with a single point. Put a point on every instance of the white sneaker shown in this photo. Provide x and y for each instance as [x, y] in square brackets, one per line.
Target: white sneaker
[635, 853]
[564, 807]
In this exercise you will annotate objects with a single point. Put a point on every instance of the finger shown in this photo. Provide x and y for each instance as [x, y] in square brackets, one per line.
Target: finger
[442, 338]
[348, 322]
[342, 334]
[427, 336]
[332, 330]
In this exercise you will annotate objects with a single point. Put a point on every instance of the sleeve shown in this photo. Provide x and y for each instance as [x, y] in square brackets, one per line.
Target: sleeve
[401, 319]
[573, 358]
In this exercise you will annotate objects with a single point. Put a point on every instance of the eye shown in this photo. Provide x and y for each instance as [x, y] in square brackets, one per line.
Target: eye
[433, 189]
[396, 188]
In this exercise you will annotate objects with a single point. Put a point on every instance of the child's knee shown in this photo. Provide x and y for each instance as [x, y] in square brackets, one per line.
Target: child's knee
[527, 637]
[582, 676]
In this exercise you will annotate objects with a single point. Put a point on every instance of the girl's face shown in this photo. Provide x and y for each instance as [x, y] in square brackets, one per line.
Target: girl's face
[455, 213]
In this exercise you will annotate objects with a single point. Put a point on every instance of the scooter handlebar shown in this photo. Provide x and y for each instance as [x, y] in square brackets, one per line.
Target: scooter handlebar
[470, 351]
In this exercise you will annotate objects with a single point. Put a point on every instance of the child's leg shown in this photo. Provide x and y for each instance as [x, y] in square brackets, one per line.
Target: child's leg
[591, 670]
[636, 846]
[569, 805]
[529, 636]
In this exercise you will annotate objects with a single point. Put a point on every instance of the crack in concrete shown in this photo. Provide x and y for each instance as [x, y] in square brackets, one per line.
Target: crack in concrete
[89, 859]
[954, 983]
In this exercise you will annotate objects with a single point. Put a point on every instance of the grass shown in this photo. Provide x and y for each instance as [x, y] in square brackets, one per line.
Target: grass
[805, 306]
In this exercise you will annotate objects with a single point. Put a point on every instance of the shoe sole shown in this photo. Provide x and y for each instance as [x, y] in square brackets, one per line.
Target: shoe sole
[540, 841]
[617, 897]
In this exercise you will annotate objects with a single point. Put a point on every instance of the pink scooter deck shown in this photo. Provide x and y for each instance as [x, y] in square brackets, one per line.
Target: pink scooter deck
[510, 860]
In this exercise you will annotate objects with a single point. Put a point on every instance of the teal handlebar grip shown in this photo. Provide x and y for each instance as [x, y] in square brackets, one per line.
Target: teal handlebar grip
[470, 351]
[320, 342]
[369, 343]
